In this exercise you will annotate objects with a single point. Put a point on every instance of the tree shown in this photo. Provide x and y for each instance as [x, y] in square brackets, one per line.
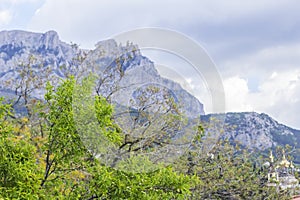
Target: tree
[58, 166]
[19, 174]
[228, 172]
[46, 155]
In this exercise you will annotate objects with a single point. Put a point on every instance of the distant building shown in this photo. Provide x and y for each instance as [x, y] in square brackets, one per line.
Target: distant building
[281, 173]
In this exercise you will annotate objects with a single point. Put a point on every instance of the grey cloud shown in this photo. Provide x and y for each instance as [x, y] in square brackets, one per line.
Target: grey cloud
[235, 33]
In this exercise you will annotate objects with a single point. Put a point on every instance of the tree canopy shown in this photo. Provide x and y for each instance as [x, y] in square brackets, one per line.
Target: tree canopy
[44, 156]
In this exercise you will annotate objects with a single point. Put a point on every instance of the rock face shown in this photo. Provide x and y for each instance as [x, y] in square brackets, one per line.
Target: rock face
[256, 131]
[124, 68]
[44, 52]
[135, 71]
[15, 46]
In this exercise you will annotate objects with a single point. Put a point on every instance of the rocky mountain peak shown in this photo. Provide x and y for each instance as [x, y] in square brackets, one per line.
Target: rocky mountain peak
[110, 48]
[28, 39]
[138, 70]
[255, 130]
[123, 63]
[50, 39]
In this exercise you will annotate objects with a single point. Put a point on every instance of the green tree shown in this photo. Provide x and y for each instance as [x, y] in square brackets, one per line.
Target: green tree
[71, 170]
[228, 172]
[19, 174]
[45, 155]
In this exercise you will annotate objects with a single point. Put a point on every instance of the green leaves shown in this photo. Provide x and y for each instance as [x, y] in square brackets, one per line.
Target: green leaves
[227, 173]
[70, 171]
[19, 177]
[161, 184]
[48, 157]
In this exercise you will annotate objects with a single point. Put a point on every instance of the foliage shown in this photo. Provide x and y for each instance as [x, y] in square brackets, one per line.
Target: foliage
[19, 175]
[45, 155]
[56, 165]
[161, 184]
[228, 173]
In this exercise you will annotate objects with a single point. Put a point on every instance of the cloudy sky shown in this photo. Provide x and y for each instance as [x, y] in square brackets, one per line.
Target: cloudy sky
[254, 44]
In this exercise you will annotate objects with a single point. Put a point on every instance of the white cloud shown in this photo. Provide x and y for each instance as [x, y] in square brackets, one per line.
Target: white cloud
[263, 62]
[14, 2]
[280, 91]
[5, 17]
[269, 68]
[277, 71]
[278, 95]
[237, 95]
[14, 14]
[284, 102]
[98, 19]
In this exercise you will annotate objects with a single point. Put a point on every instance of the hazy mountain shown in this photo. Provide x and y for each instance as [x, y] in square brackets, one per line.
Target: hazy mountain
[124, 68]
[256, 131]
[17, 46]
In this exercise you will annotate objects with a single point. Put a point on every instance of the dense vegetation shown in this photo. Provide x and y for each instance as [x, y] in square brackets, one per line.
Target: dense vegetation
[42, 156]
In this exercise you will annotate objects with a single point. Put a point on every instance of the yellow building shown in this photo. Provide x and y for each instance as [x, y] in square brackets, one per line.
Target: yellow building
[281, 173]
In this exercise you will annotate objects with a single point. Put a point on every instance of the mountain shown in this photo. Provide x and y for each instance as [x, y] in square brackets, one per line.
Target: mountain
[41, 50]
[17, 46]
[123, 71]
[255, 131]
[124, 68]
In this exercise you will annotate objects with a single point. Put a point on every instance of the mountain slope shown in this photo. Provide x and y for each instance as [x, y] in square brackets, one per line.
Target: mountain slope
[17, 46]
[256, 131]
[123, 67]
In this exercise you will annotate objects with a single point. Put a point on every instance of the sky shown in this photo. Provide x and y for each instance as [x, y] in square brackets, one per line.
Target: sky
[255, 45]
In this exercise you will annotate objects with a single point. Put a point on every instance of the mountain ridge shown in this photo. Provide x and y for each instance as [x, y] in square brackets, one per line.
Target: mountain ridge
[125, 66]
[256, 131]
[16, 47]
